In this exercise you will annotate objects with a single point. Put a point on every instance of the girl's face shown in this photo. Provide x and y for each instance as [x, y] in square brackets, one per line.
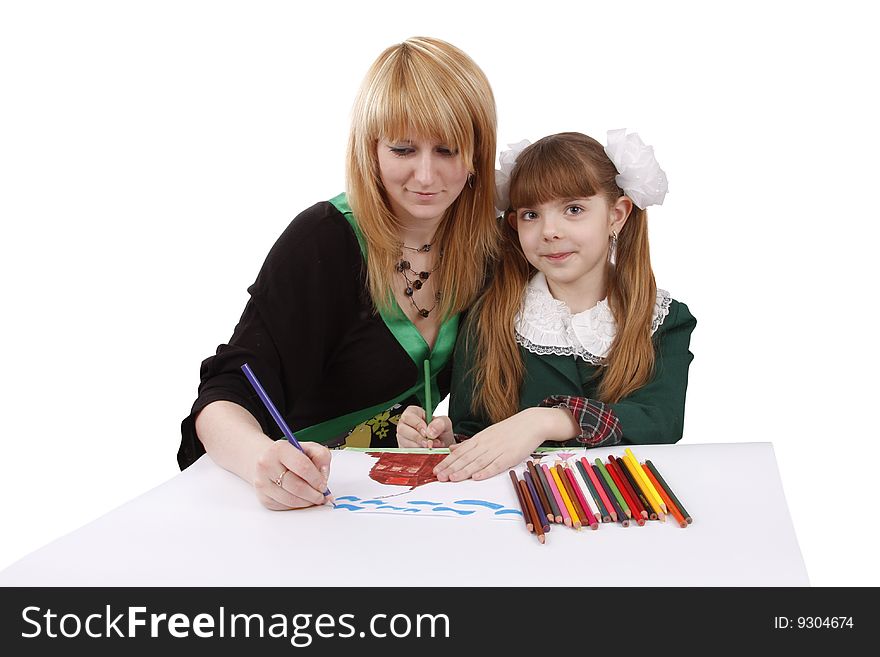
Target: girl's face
[568, 240]
[422, 178]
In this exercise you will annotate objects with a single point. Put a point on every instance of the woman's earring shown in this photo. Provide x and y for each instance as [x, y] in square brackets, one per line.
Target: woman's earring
[612, 250]
[471, 180]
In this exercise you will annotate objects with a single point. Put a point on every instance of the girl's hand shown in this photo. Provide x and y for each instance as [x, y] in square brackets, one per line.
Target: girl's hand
[413, 432]
[290, 479]
[504, 445]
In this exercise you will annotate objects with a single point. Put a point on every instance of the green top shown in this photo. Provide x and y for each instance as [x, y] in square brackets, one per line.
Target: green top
[652, 414]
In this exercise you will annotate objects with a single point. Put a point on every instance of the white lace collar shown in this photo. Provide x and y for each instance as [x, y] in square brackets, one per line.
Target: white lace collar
[545, 325]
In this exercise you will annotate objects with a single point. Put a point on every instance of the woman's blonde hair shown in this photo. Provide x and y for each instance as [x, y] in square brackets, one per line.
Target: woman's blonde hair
[431, 88]
[565, 165]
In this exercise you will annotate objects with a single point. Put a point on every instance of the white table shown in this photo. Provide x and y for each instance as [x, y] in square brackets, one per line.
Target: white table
[205, 527]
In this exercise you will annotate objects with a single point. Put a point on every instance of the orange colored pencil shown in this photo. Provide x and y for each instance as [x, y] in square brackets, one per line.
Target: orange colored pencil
[662, 492]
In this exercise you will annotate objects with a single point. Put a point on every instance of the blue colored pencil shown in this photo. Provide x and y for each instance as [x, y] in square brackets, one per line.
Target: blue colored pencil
[264, 397]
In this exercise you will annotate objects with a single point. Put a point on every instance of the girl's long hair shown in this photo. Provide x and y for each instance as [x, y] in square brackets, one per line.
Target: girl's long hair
[431, 88]
[565, 165]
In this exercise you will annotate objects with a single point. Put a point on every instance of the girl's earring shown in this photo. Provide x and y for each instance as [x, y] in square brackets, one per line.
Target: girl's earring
[471, 180]
[612, 250]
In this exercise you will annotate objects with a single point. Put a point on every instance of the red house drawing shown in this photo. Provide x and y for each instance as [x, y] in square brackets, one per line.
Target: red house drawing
[398, 469]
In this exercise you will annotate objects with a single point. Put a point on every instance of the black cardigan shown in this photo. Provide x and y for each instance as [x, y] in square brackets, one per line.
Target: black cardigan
[311, 334]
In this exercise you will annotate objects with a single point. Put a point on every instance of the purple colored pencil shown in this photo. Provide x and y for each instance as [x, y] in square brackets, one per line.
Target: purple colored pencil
[542, 513]
[264, 397]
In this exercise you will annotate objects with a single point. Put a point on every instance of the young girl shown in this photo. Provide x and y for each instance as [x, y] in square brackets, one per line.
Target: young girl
[572, 342]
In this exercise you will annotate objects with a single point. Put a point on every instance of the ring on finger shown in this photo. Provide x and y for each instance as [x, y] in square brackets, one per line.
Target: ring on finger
[279, 480]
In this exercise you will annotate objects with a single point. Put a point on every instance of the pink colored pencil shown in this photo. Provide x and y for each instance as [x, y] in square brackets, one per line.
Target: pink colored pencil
[562, 509]
[599, 489]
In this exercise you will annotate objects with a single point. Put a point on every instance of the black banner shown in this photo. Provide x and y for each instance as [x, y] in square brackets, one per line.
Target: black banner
[427, 621]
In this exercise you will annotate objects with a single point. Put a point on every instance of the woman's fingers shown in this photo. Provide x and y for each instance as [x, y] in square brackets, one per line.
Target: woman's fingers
[289, 478]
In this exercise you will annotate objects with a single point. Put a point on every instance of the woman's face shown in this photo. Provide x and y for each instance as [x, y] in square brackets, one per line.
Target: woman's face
[422, 177]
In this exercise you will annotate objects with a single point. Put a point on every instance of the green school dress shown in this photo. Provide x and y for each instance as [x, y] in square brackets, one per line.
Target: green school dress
[563, 354]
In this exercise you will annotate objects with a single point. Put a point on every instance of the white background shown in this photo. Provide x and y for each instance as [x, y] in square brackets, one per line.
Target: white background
[151, 152]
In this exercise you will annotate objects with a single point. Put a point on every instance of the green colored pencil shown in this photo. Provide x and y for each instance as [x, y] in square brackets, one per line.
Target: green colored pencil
[427, 392]
[669, 492]
[613, 487]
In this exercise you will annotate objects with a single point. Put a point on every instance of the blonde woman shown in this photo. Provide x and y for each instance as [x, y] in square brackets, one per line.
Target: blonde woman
[361, 289]
[573, 342]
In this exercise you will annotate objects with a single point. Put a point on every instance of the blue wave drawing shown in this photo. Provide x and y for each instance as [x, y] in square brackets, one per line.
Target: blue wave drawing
[348, 507]
[491, 505]
[372, 502]
[425, 502]
[396, 508]
[458, 511]
[348, 497]
[506, 511]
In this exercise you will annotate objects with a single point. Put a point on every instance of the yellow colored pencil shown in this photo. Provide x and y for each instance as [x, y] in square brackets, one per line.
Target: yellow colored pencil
[636, 471]
[648, 484]
[564, 495]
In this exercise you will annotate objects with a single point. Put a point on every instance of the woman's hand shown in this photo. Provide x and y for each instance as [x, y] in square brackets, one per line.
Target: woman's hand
[287, 478]
[412, 431]
[505, 444]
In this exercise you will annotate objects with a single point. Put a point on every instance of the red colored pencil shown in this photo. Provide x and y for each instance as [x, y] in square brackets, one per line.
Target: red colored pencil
[634, 510]
[637, 490]
[636, 507]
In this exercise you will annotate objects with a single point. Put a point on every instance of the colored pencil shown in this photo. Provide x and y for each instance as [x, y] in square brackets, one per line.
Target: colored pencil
[522, 504]
[669, 504]
[672, 496]
[569, 510]
[645, 479]
[539, 529]
[653, 510]
[587, 517]
[612, 485]
[621, 486]
[618, 514]
[588, 497]
[551, 499]
[560, 507]
[634, 503]
[539, 509]
[635, 492]
[539, 486]
[604, 516]
[599, 489]
[572, 495]
[622, 518]
[649, 512]
[428, 407]
[273, 411]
